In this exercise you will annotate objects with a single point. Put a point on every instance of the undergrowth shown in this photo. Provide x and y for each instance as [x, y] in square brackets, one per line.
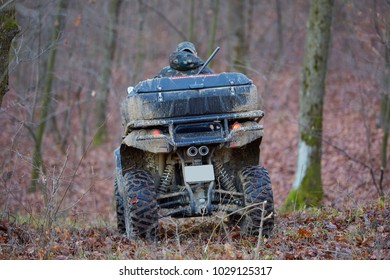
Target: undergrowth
[362, 232]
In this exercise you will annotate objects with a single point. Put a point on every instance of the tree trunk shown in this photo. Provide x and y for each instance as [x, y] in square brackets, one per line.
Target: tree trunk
[104, 83]
[385, 96]
[213, 28]
[140, 46]
[238, 40]
[307, 187]
[191, 21]
[279, 31]
[47, 96]
[8, 30]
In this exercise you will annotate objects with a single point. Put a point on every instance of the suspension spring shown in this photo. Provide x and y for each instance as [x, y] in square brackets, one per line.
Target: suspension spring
[224, 179]
[166, 179]
[184, 199]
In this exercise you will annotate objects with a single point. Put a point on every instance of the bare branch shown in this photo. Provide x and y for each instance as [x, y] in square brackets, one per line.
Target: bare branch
[6, 4]
[163, 17]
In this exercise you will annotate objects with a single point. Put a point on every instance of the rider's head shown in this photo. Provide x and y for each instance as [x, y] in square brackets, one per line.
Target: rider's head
[186, 47]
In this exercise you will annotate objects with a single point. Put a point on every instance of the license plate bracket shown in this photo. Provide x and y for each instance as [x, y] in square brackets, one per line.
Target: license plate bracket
[199, 173]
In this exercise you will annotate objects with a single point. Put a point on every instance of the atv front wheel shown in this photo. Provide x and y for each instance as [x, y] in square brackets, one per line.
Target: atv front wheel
[141, 213]
[255, 183]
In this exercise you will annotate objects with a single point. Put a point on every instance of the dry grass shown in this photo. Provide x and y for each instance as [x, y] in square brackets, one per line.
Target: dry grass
[351, 233]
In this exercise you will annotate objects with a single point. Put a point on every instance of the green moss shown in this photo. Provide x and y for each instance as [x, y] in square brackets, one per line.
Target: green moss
[311, 134]
[8, 22]
[308, 137]
[308, 194]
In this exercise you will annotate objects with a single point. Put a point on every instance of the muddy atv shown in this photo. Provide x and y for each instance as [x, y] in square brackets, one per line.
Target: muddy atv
[191, 148]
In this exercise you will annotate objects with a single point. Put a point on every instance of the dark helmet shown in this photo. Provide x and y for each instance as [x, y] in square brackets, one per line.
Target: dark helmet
[186, 47]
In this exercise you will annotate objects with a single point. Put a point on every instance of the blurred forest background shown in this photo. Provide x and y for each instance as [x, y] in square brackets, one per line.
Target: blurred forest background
[263, 39]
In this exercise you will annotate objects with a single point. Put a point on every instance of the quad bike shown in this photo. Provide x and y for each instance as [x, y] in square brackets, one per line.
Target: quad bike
[191, 148]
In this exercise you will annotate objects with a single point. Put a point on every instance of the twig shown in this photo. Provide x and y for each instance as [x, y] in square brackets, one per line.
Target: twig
[348, 156]
[163, 17]
[260, 236]
[230, 214]
[6, 4]
[74, 176]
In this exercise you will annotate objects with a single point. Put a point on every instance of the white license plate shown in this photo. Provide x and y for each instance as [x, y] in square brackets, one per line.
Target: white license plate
[199, 173]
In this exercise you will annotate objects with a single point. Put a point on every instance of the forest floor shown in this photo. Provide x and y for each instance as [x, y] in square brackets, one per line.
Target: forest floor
[351, 224]
[361, 234]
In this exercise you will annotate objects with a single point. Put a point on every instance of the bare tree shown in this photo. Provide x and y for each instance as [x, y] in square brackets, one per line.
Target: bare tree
[278, 9]
[213, 27]
[8, 30]
[191, 20]
[385, 99]
[307, 187]
[238, 39]
[384, 118]
[140, 46]
[104, 82]
[46, 98]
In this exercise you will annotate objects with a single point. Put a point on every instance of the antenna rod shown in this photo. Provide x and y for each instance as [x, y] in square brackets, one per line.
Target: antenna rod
[208, 60]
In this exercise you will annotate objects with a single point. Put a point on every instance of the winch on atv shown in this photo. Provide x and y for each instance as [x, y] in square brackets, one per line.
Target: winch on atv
[191, 148]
